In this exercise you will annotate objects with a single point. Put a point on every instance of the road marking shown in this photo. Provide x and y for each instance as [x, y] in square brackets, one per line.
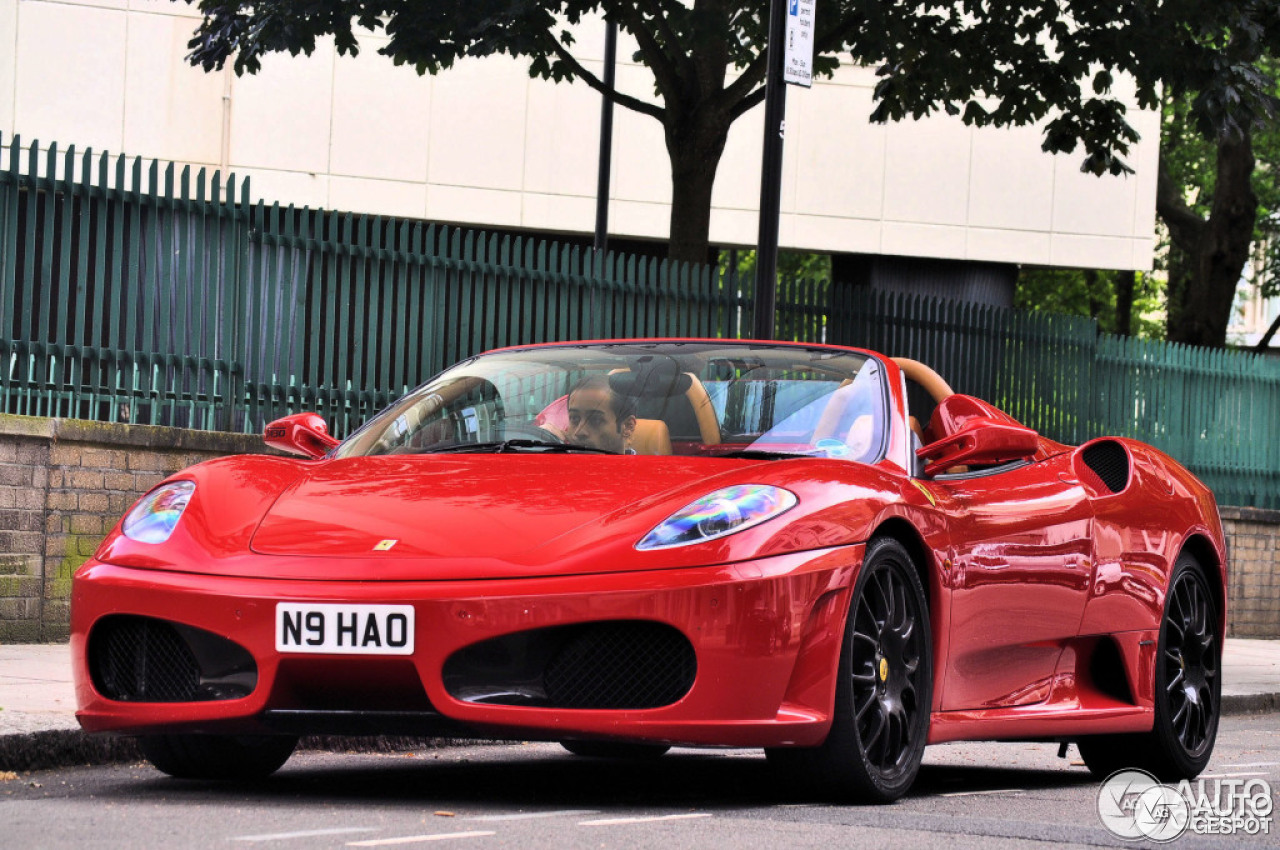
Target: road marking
[1228, 775]
[417, 839]
[534, 815]
[983, 793]
[654, 819]
[308, 833]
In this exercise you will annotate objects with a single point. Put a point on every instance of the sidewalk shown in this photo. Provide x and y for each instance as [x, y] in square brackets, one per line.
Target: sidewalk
[38, 728]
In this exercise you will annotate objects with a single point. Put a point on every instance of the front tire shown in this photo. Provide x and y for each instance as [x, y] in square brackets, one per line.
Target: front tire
[233, 757]
[883, 693]
[1188, 689]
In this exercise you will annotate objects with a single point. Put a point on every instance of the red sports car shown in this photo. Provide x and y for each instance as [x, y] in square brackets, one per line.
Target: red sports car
[628, 545]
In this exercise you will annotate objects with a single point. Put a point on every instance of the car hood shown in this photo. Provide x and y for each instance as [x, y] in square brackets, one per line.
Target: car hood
[488, 516]
[478, 506]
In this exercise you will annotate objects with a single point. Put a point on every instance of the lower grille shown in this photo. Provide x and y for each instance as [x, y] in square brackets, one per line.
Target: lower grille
[619, 664]
[622, 665]
[143, 659]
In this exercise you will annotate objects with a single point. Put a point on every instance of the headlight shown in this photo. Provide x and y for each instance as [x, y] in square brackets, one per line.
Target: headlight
[154, 518]
[718, 514]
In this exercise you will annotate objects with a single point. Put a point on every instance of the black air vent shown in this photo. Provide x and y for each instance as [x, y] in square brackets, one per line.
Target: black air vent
[622, 665]
[1110, 462]
[143, 659]
[616, 664]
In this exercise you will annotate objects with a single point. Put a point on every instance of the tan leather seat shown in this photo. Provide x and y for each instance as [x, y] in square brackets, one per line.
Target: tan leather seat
[703, 411]
[651, 437]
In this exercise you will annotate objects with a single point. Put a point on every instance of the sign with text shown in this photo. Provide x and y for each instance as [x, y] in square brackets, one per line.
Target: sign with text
[797, 64]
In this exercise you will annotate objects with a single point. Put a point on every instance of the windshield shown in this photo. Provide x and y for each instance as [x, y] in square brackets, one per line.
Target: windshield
[666, 398]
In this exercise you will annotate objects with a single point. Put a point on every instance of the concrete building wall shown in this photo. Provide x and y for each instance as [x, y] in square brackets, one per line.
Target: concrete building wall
[483, 144]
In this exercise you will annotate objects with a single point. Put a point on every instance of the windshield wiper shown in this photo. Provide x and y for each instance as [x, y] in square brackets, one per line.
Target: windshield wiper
[767, 454]
[514, 446]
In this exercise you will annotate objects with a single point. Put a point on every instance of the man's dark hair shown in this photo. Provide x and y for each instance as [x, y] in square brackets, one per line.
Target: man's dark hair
[621, 405]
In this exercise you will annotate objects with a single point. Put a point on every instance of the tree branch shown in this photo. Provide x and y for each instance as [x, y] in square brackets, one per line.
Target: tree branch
[741, 95]
[741, 88]
[746, 103]
[1265, 342]
[596, 83]
[1185, 225]
[665, 74]
[677, 54]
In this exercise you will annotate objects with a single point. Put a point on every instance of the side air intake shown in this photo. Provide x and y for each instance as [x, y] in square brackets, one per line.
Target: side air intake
[1109, 461]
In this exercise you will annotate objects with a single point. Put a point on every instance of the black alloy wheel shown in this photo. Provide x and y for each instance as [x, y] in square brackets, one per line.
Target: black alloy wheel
[1187, 688]
[881, 718]
[1189, 656]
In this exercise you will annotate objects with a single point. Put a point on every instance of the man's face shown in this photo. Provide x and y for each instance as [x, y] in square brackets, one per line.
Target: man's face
[593, 423]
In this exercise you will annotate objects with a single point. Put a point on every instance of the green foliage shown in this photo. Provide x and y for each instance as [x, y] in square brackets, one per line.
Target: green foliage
[1092, 293]
[1189, 160]
[792, 265]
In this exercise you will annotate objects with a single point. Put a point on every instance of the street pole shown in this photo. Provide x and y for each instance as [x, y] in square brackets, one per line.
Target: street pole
[775, 110]
[606, 142]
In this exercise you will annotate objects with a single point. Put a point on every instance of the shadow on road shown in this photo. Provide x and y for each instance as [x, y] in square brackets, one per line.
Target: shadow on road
[538, 776]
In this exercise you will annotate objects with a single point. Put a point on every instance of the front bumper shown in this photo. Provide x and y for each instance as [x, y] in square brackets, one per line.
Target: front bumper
[766, 635]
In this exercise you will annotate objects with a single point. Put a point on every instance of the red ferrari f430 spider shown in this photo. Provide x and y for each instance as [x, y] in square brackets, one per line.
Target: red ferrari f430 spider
[625, 546]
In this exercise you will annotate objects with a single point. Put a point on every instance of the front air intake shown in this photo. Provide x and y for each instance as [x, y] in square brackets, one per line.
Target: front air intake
[144, 659]
[616, 664]
[621, 665]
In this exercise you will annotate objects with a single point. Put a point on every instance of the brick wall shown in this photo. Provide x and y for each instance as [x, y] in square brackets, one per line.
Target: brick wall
[63, 485]
[1253, 583]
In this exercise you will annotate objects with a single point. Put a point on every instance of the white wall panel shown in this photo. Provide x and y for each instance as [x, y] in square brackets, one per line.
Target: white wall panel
[840, 153]
[478, 124]
[70, 79]
[562, 143]
[172, 110]
[473, 206]
[280, 117]
[927, 172]
[381, 117]
[8, 61]
[910, 239]
[1009, 185]
[383, 197]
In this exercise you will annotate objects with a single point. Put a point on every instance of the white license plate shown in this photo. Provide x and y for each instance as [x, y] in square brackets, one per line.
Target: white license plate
[317, 627]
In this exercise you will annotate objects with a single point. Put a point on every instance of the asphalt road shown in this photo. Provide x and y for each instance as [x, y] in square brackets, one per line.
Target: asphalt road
[538, 796]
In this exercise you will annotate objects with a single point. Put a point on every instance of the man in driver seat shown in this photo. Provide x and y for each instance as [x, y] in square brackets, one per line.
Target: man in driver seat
[601, 418]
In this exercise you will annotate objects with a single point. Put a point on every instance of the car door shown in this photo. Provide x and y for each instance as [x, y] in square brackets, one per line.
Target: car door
[1019, 578]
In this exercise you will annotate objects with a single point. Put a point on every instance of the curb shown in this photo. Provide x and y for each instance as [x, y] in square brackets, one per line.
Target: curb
[1250, 703]
[59, 748]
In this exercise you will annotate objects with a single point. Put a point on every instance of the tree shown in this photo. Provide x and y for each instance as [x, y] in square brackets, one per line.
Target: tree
[992, 62]
[1118, 300]
[1216, 205]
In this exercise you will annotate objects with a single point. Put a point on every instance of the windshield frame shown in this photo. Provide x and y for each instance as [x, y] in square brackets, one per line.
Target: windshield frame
[703, 352]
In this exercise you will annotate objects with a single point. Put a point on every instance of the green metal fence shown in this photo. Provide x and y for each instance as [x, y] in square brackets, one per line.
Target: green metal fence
[132, 292]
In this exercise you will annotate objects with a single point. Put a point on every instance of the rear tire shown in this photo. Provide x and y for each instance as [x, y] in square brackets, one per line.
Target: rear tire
[1188, 689]
[615, 749]
[884, 690]
[217, 756]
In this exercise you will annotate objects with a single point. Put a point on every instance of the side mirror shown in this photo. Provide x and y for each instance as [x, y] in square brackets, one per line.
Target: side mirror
[300, 434]
[975, 433]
